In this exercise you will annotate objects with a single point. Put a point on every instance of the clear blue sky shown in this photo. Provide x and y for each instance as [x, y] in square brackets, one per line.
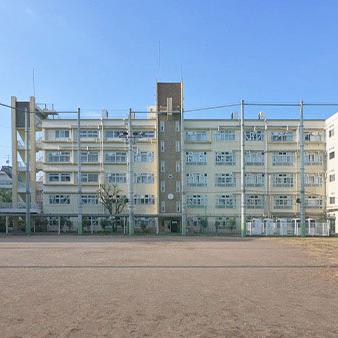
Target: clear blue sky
[104, 54]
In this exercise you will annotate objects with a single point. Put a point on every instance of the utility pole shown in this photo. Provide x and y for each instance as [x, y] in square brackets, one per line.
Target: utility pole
[302, 174]
[79, 217]
[27, 158]
[130, 177]
[243, 224]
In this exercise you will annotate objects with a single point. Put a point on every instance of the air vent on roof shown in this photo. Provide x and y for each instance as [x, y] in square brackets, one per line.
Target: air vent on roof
[261, 115]
[234, 116]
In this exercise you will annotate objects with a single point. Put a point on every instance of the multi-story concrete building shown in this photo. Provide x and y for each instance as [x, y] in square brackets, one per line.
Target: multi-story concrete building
[185, 172]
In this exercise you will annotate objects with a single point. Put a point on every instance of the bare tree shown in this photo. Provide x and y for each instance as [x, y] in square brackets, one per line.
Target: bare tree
[110, 195]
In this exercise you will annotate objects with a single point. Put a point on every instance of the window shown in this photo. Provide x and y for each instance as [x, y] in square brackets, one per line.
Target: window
[313, 136]
[225, 201]
[162, 125]
[89, 199]
[283, 158]
[332, 177]
[89, 177]
[178, 166]
[253, 157]
[332, 200]
[89, 157]
[313, 158]
[144, 156]
[144, 199]
[313, 201]
[254, 179]
[144, 178]
[178, 186]
[224, 135]
[162, 146]
[144, 133]
[197, 180]
[162, 166]
[162, 186]
[58, 177]
[197, 201]
[117, 178]
[283, 180]
[196, 157]
[116, 134]
[59, 199]
[283, 202]
[225, 180]
[331, 155]
[178, 146]
[58, 156]
[196, 135]
[162, 206]
[117, 157]
[177, 125]
[178, 206]
[254, 135]
[313, 180]
[282, 136]
[331, 132]
[254, 201]
[86, 133]
[225, 157]
[61, 133]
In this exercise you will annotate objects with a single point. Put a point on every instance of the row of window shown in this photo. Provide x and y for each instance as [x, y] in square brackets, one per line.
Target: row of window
[142, 178]
[253, 157]
[196, 135]
[252, 179]
[109, 134]
[252, 201]
[251, 135]
[64, 199]
[197, 179]
[116, 157]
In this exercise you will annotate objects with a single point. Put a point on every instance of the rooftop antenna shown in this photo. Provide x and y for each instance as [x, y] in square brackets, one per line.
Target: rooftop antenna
[159, 59]
[33, 81]
[181, 73]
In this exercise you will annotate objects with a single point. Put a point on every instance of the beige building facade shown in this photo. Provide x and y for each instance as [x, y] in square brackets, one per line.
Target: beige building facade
[186, 172]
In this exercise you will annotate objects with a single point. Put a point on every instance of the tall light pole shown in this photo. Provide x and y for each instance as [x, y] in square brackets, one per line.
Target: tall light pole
[243, 225]
[27, 158]
[79, 217]
[130, 177]
[302, 174]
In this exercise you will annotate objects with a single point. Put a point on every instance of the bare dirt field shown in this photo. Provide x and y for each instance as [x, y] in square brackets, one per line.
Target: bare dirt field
[168, 287]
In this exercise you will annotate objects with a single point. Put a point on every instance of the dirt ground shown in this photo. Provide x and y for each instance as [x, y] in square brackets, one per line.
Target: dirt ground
[168, 287]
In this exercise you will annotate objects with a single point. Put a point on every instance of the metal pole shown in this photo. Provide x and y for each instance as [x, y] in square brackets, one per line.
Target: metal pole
[302, 175]
[183, 212]
[243, 225]
[28, 197]
[79, 217]
[130, 177]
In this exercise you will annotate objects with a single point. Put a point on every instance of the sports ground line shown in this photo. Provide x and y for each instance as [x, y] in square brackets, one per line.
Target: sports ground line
[334, 266]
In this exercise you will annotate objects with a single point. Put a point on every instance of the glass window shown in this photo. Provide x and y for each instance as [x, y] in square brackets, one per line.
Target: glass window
[224, 135]
[253, 157]
[196, 157]
[225, 157]
[197, 179]
[196, 135]
[87, 133]
[282, 136]
[283, 158]
[117, 178]
[254, 135]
